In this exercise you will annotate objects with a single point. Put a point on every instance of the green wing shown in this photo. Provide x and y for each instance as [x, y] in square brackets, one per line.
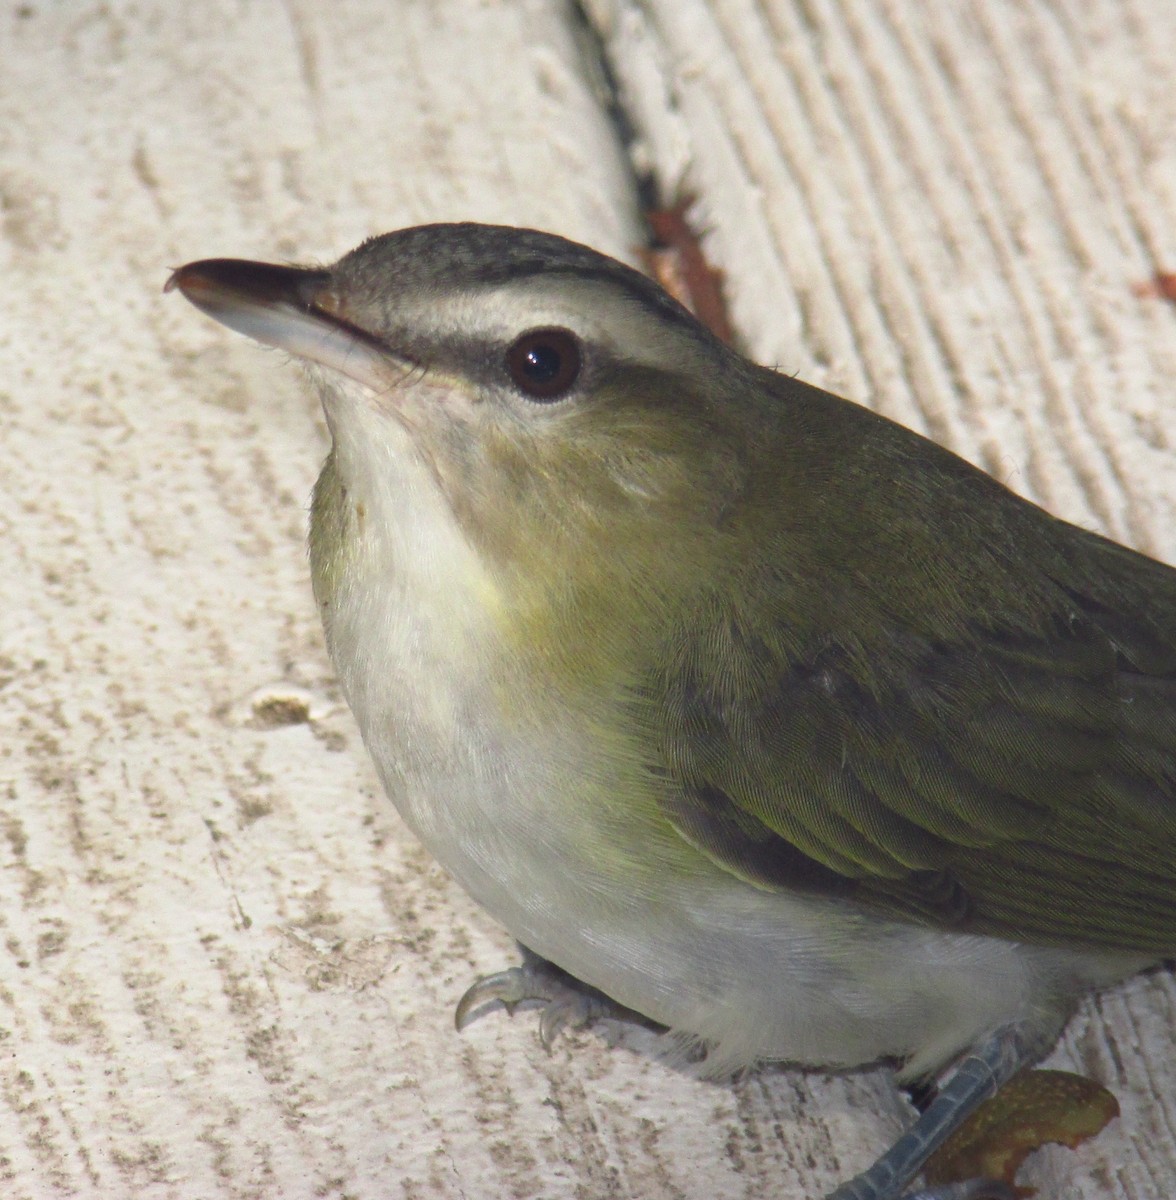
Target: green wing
[1007, 777]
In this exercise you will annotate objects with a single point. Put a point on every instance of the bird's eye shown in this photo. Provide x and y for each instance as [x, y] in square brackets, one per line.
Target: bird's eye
[544, 363]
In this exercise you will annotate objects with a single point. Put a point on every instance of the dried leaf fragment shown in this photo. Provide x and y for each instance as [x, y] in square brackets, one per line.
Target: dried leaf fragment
[1161, 286]
[1035, 1108]
[677, 261]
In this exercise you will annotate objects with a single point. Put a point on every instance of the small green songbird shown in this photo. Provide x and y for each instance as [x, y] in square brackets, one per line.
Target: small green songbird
[758, 713]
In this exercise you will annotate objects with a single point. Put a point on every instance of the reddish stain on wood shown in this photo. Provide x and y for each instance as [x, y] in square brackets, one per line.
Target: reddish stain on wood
[1161, 286]
[677, 261]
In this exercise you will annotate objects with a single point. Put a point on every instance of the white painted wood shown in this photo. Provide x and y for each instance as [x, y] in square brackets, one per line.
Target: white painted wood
[940, 210]
[228, 969]
[177, 868]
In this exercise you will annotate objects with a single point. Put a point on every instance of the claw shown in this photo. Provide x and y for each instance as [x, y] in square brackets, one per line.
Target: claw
[553, 1021]
[570, 1011]
[508, 986]
[567, 1003]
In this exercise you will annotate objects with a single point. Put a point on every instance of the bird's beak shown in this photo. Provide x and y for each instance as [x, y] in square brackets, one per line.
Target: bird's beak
[290, 308]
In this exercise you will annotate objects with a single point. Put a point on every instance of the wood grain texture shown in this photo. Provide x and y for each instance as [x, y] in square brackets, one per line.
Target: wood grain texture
[941, 211]
[228, 971]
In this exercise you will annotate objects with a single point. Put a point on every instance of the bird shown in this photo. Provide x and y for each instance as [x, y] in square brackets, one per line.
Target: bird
[739, 705]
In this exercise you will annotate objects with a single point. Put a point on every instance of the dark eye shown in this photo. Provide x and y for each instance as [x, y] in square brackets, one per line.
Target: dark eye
[544, 363]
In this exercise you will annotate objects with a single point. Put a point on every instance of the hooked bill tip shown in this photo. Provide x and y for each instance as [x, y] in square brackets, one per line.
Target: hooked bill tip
[194, 277]
[288, 308]
[189, 275]
[220, 280]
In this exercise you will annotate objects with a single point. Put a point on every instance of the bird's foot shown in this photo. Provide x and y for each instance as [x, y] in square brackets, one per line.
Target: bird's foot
[567, 1002]
[989, 1066]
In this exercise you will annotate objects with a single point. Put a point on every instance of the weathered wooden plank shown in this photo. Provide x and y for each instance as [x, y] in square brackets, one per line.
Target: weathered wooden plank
[940, 210]
[229, 970]
[191, 825]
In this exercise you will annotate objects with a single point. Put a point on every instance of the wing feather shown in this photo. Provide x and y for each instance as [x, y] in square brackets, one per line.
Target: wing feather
[1012, 782]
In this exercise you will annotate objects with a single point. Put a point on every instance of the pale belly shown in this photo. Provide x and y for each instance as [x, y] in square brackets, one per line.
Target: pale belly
[655, 925]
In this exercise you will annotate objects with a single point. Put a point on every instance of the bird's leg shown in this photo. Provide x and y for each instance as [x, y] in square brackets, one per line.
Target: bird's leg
[567, 1002]
[977, 1078]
